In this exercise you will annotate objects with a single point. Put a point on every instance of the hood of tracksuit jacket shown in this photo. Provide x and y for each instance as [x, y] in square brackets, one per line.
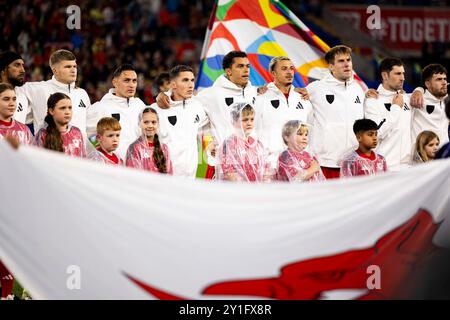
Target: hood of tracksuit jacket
[223, 83]
[432, 98]
[62, 87]
[275, 90]
[177, 103]
[110, 97]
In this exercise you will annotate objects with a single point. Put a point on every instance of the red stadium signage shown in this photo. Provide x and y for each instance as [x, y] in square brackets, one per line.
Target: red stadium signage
[401, 28]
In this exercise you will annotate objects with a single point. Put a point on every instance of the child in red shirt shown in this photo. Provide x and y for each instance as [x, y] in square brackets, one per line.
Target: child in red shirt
[9, 126]
[58, 134]
[364, 161]
[147, 152]
[295, 163]
[108, 136]
[242, 156]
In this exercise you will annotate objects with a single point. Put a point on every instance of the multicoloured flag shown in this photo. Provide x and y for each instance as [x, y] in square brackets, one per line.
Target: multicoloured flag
[263, 29]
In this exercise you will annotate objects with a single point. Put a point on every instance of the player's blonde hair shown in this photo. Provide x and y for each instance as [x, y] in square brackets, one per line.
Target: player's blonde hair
[274, 61]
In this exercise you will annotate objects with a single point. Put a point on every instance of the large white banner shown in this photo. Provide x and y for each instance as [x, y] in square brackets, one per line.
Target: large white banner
[75, 229]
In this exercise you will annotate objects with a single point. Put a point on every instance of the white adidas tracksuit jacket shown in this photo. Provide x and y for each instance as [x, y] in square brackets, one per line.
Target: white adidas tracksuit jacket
[336, 105]
[126, 110]
[179, 126]
[273, 112]
[22, 113]
[37, 94]
[432, 118]
[217, 100]
[394, 135]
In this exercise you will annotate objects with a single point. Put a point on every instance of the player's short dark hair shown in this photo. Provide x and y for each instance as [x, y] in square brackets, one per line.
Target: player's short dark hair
[229, 58]
[175, 71]
[161, 78]
[363, 125]
[122, 68]
[387, 64]
[336, 50]
[432, 69]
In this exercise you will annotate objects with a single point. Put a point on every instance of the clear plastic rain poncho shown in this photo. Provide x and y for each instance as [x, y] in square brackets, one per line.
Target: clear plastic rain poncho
[140, 153]
[296, 163]
[358, 164]
[241, 157]
[100, 155]
[73, 141]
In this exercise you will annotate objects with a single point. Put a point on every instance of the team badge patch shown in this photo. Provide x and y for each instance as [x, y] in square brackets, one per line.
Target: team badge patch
[116, 116]
[330, 98]
[229, 101]
[172, 120]
[275, 103]
[430, 108]
[388, 106]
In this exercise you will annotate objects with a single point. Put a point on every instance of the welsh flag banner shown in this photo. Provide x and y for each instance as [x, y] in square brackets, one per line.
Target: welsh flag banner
[263, 29]
[76, 229]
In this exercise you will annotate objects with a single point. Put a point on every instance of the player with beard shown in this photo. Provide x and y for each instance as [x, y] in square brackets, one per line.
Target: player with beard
[12, 71]
[432, 116]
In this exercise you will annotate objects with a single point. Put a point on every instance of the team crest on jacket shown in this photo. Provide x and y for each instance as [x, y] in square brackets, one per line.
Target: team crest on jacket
[116, 116]
[275, 103]
[229, 101]
[388, 106]
[197, 119]
[172, 120]
[330, 98]
[430, 108]
[299, 106]
[81, 105]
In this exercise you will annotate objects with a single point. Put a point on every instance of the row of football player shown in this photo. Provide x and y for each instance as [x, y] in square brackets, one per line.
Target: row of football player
[330, 105]
[242, 156]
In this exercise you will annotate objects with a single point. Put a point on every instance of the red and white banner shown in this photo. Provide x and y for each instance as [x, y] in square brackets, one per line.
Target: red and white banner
[75, 229]
[405, 28]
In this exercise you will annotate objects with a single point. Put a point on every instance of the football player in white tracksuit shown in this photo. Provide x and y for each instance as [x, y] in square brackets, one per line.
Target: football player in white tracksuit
[337, 102]
[279, 104]
[392, 112]
[12, 71]
[64, 68]
[180, 124]
[120, 104]
[432, 116]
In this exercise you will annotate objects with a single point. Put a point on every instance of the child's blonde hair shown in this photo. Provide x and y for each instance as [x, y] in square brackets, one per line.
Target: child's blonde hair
[108, 123]
[293, 126]
[424, 138]
[240, 110]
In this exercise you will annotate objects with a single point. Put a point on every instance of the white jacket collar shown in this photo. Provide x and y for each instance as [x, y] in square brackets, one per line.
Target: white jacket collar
[329, 78]
[62, 86]
[112, 98]
[273, 88]
[178, 103]
[223, 82]
[384, 92]
[432, 98]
